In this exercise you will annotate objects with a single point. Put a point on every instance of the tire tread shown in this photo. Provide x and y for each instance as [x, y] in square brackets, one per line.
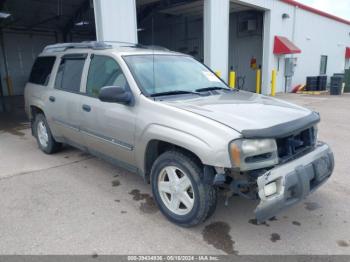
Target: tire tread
[53, 146]
[207, 194]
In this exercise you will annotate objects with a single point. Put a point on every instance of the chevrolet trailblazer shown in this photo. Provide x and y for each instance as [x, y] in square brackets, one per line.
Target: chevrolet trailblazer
[170, 119]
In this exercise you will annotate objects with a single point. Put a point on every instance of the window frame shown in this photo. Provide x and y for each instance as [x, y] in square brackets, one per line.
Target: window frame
[50, 74]
[71, 56]
[87, 69]
[325, 65]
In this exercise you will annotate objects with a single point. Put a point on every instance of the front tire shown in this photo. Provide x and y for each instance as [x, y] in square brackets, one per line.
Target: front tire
[43, 135]
[179, 190]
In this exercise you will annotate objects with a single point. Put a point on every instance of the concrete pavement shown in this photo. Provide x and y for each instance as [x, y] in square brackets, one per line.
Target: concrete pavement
[73, 203]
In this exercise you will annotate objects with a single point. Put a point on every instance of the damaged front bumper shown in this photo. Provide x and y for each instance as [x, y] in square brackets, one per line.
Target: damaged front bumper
[294, 181]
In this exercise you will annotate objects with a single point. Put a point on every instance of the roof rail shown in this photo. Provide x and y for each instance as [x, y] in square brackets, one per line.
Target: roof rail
[64, 46]
[128, 44]
[97, 45]
[154, 47]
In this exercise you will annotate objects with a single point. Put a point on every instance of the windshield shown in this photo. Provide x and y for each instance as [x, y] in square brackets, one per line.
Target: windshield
[156, 74]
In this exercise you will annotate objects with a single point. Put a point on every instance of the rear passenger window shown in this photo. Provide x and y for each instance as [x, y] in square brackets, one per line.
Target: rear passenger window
[104, 71]
[41, 70]
[69, 73]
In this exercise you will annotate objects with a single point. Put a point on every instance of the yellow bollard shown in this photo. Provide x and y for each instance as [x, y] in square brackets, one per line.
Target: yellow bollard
[9, 84]
[218, 73]
[232, 81]
[273, 83]
[258, 81]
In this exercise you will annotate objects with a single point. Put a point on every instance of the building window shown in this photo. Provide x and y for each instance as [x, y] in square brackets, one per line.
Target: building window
[323, 65]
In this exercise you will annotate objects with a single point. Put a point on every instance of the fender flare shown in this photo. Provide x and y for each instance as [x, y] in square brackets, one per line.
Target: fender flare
[170, 135]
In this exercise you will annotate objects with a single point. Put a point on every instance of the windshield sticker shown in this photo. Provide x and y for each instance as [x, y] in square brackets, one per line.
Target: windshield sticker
[210, 76]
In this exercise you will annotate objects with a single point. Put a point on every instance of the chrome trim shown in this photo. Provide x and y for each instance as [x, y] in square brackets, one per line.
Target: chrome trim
[108, 139]
[64, 124]
[98, 136]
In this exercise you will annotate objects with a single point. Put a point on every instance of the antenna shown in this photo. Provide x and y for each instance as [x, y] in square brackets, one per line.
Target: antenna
[154, 76]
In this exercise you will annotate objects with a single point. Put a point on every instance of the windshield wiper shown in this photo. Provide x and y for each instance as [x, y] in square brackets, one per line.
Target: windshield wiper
[177, 92]
[212, 88]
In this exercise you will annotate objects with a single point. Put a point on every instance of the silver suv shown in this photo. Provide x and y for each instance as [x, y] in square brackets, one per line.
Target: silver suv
[170, 119]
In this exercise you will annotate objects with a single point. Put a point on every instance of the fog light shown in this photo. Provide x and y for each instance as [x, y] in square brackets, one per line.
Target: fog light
[270, 189]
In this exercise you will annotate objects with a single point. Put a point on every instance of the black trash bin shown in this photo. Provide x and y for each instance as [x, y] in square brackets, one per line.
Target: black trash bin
[311, 83]
[347, 81]
[321, 83]
[336, 85]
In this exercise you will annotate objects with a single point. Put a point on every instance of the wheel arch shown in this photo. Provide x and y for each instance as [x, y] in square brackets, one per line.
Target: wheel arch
[34, 110]
[157, 139]
[156, 147]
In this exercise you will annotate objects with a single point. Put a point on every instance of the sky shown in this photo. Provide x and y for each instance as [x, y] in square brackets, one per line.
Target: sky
[339, 8]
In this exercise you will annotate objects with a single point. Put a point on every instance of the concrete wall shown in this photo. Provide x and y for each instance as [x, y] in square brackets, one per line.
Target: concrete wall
[21, 49]
[216, 36]
[315, 35]
[116, 20]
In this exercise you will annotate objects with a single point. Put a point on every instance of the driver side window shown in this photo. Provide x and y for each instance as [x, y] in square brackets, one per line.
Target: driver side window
[103, 71]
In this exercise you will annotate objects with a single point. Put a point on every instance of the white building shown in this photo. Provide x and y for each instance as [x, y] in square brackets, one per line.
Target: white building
[227, 35]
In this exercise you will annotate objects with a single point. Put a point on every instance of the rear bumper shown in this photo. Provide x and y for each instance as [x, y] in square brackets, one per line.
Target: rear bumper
[294, 180]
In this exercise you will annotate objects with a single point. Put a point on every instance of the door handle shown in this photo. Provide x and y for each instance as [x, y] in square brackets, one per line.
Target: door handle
[52, 98]
[86, 108]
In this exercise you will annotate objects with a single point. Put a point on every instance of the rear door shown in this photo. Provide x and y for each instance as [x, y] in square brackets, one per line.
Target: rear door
[108, 128]
[40, 82]
[64, 104]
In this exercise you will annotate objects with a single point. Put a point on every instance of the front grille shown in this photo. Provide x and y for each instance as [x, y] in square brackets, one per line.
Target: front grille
[295, 145]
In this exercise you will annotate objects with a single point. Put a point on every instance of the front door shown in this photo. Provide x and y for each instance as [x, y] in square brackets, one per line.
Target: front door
[108, 128]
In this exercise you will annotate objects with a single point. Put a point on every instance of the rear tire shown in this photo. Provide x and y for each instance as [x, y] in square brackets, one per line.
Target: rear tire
[188, 201]
[43, 135]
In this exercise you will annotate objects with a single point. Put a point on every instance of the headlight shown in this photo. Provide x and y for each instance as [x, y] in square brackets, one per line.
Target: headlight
[270, 189]
[250, 154]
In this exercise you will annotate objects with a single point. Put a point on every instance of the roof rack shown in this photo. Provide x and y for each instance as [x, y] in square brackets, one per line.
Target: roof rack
[97, 45]
[65, 46]
[154, 47]
[128, 44]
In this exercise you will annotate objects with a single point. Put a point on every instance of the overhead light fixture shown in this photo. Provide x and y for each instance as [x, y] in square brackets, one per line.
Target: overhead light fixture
[140, 29]
[82, 23]
[4, 15]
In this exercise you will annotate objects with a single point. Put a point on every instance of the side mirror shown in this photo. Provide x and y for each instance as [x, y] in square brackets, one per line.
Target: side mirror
[115, 94]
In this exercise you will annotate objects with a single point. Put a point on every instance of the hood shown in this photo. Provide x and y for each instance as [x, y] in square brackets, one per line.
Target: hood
[243, 110]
